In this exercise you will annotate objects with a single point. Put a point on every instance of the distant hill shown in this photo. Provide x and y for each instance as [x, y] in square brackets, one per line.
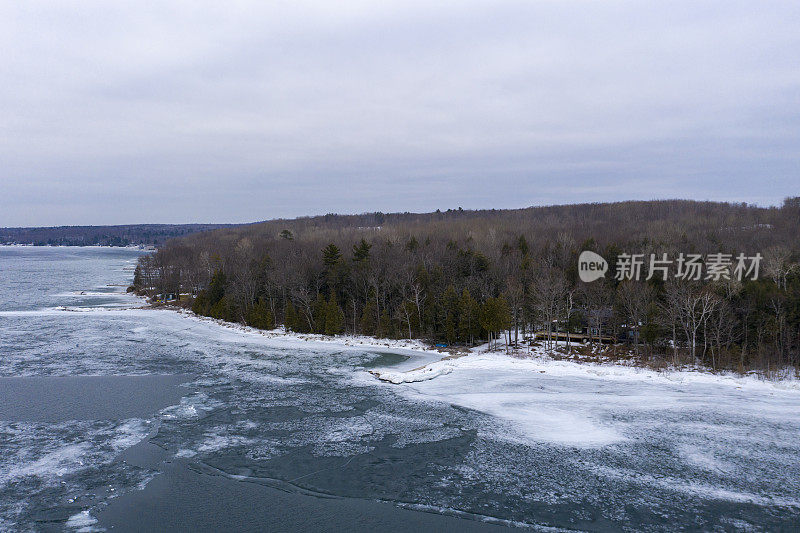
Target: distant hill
[125, 235]
[666, 223]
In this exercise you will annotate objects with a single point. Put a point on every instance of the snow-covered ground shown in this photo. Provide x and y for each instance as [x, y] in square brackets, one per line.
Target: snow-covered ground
[538, 360]
[575, 403]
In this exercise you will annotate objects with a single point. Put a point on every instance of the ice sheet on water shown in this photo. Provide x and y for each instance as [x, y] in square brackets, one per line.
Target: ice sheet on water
[410, 425]
[681, 443]
[50, 451]
[129, 432]
[215, 441]
[703, 458]
[82, 522]
[699, 489]
[553, 402]
[528, 420]
[190, 407]
[343, 448]
[51, 463]
[185, 453]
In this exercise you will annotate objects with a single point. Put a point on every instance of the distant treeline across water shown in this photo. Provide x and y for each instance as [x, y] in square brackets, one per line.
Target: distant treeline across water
[124, 235]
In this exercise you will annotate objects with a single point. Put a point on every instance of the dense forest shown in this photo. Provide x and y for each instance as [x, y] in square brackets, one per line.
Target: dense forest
[125, 235]
[460, 277]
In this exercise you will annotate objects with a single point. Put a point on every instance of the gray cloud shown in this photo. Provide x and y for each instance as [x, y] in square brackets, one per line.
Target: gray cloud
[177, 112]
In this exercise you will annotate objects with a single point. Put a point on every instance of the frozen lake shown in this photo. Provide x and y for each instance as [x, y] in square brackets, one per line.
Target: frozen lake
[268, 432]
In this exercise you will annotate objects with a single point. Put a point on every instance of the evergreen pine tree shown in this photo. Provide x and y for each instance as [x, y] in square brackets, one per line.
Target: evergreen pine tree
[495, 316]
[522, 245]
[200, 304]
[449, 310]
[361, 251]
[368, 319]
[290, 317]
[319, 311]
[220, 309]
[385, 325]
[449, 328]
[332, 272]
[216, 289]
[330, 256]
[469, 317]
[260, 316]
[334, 317]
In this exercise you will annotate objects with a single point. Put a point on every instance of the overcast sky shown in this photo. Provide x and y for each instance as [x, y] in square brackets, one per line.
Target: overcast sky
[114, 112]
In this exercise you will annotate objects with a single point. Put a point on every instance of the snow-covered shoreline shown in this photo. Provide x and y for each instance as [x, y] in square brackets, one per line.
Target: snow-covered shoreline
[540, 362]
[341, 340]
[433, 362]
[429, 362]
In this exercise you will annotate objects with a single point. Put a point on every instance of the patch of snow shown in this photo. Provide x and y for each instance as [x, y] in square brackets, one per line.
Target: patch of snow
[431, 371]
[55, 463]
[184, 453]
[82, 522]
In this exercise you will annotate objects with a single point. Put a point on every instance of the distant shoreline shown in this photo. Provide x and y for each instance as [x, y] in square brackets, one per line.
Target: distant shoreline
[148, 248]
[106, 235]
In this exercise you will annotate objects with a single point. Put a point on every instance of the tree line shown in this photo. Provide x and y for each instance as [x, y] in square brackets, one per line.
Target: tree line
[462, 277]
[125, 235]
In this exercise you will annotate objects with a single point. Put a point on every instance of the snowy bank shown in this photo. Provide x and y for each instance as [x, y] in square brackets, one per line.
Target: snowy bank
[538, 361]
